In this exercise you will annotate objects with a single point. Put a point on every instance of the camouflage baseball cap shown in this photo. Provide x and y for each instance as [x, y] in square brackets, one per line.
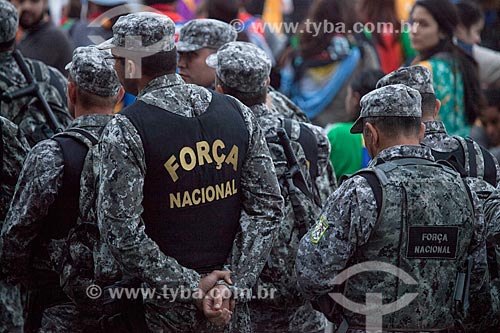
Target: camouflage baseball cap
[241, 66]
[395, 100]
[200, 33]
[144, 32]
[416, 77]
[92, 72]
[9, 20]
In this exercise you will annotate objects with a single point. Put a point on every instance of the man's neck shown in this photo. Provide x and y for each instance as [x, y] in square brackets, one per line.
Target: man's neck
[427, 118]
[80, 111]
[402, 141]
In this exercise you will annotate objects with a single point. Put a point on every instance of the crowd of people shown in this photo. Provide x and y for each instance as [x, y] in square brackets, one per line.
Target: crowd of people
[185, 166]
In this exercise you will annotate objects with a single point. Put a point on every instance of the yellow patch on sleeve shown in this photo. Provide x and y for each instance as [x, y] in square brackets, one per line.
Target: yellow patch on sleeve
[319, 230]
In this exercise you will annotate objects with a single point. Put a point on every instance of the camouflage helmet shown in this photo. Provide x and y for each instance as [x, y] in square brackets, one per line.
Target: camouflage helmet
[9, 21]
[241, 66]
[416, 77]
[201, 33]
[395, 100]
[91, 71]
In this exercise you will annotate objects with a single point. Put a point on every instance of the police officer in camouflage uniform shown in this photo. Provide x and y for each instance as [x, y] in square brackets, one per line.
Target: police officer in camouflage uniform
[469, 156]
[45, 205]
[197, 40]
[13, 150]
[405, 210]
[186, 186]
[24, 112]
[482, 314]
[93, 92]
[242, 71]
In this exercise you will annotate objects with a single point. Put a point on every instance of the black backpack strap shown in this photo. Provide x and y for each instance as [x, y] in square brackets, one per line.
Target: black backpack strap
[63, 213]
[287, 125]
[86, 134]
[470, 162]
[374, 183]
[490, 167]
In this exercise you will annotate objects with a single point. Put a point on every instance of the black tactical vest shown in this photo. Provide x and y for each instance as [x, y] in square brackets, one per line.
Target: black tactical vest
[192, 193]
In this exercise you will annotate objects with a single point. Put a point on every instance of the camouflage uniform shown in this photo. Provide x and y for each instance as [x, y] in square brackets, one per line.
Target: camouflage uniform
[349, 227]
[245, 67]
[14, 149]
[122, 176]
[436, 138]
[41, 180]
[50, 82]
[84, 267]
[280, 104]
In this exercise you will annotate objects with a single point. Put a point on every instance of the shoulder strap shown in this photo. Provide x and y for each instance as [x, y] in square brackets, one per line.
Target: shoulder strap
[373, 181]
[83, 132]
[490, 167]
[470, 162]
[63, 213]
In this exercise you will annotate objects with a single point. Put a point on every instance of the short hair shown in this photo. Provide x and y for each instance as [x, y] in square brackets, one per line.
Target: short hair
[89, 100]
[428, 104]
[160, 63]
[396, 126]
[249, 99]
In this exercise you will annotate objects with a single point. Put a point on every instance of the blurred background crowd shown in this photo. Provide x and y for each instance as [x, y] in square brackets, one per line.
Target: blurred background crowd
[324, 72]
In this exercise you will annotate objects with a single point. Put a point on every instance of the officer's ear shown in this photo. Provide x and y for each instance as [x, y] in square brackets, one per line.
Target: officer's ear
[120, 94]
[219, 89]
[422, 132]
[72, 92]
[131, 69]
[370, 133]
[437, 108]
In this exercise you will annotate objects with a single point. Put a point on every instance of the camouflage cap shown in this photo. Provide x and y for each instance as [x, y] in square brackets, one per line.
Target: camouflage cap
[200, 33]
[395, 100]
[144, 32]
[416, 77]
[241, 66]
[92, 72]
[9, 21]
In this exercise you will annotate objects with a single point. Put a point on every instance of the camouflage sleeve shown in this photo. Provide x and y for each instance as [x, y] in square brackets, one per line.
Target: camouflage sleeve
[37, 188]
[14, 148]
[344, 225]
[492, 217]
[326, 181]
[262, 209]
[121, 181]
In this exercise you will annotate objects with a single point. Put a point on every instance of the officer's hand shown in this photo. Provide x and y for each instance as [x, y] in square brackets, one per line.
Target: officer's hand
[208, 282]
[218, 305]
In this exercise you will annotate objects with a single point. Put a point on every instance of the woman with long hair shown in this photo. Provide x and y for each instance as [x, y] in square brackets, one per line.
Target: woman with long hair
[455, 73]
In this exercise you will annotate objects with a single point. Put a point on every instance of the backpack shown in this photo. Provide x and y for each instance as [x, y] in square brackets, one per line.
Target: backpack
[478, 302]
[27, 111]
[63, 213]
